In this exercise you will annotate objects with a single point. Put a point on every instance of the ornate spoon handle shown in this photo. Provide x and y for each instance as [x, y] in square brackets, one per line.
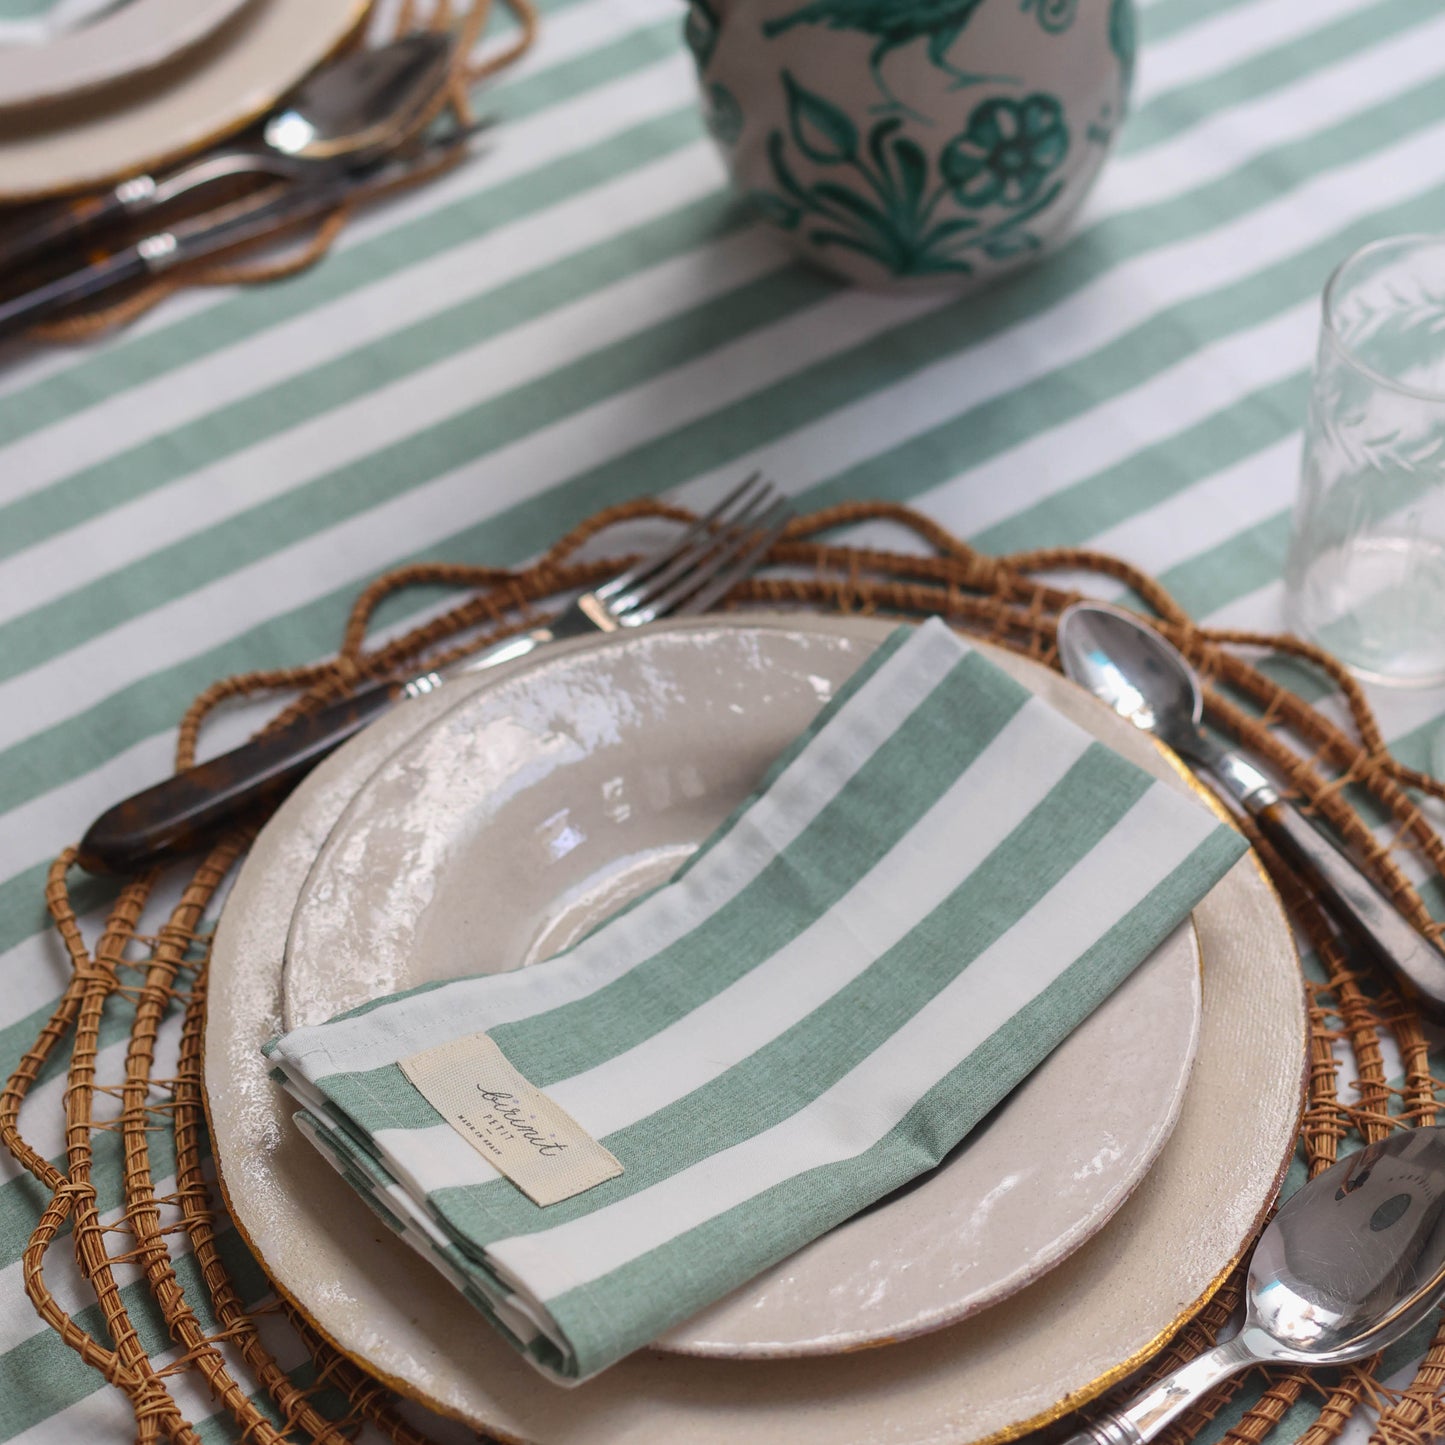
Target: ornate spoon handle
[1165, 1401]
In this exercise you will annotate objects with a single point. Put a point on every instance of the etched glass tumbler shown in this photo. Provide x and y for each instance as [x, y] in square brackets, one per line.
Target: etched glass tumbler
[1366, 571]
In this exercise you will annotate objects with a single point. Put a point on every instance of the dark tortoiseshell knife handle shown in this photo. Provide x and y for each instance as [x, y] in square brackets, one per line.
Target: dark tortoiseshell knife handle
[50, 226]
[186, 810]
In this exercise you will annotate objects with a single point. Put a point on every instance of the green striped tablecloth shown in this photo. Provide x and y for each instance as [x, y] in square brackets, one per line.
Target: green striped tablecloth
[585, 315]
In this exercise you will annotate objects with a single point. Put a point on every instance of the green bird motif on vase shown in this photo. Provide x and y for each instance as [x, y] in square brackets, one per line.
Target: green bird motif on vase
[896, 23]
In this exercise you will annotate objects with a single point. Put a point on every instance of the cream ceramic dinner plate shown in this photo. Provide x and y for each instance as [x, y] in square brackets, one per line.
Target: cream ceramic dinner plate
[137, 37]
[1027, 1360]
[138, 124]
[538, 806]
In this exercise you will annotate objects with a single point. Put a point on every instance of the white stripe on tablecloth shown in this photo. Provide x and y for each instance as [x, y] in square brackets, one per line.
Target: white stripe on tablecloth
[40, 828]
[1220, 42]
[1216, 508]
[870, 1100]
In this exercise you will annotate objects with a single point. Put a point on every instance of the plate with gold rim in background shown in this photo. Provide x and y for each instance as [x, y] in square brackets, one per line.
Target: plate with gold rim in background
[132, 38]
[221, 82]
[1024, 1360]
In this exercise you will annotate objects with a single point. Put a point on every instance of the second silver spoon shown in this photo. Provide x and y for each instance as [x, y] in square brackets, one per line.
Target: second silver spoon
[1126, 663]
[1352, 1263]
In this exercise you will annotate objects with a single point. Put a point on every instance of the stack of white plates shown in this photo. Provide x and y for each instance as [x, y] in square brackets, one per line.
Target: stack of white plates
[149, 81]
[493, 822]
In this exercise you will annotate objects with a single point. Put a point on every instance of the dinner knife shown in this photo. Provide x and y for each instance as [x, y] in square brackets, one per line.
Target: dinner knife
[199, 237]
[174, 816]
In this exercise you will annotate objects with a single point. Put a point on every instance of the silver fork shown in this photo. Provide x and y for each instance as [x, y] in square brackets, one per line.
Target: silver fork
[681, 579]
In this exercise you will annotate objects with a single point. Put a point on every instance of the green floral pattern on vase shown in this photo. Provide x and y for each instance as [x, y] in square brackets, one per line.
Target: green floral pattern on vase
[1123, 40]
[896, 23]
[723, 115]
[883, 200]
[700, 32]
[946, 180]
[1007, 151]
[1054, 15]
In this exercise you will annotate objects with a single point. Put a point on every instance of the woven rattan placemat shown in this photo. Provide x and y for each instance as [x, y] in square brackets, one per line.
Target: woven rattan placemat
[1348, 777]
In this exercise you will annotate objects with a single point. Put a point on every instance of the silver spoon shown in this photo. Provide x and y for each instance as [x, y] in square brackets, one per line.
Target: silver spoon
[1123, 661]
[1352, 1262]
[345, 115]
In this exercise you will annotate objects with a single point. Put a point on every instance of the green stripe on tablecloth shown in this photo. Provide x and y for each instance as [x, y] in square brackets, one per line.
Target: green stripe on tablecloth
[700, 1255]
[43, 1375]
[1176, 110]
[792, 1069]
[221, 1428]
[1233, 568]
[1169, 468]
[26, 9]
[23, 915]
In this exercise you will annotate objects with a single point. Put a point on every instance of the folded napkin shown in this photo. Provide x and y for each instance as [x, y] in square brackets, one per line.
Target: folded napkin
[932, 888]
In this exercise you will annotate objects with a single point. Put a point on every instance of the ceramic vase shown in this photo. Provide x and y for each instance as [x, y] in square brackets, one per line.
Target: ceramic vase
[901, 143]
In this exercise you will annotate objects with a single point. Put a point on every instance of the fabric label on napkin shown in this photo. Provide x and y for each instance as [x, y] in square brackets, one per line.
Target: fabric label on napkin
[541, 1148]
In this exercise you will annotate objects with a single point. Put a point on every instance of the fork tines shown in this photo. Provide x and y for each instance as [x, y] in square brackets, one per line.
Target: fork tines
[705, 560]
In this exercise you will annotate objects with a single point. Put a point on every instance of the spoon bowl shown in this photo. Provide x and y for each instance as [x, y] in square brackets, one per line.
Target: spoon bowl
[350, 112]
[1127, 664]
[1353, 1261]
[356, 106]
[1138, 673]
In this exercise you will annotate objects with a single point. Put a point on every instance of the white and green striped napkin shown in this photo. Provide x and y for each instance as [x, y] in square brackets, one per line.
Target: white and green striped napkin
[932, 888]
